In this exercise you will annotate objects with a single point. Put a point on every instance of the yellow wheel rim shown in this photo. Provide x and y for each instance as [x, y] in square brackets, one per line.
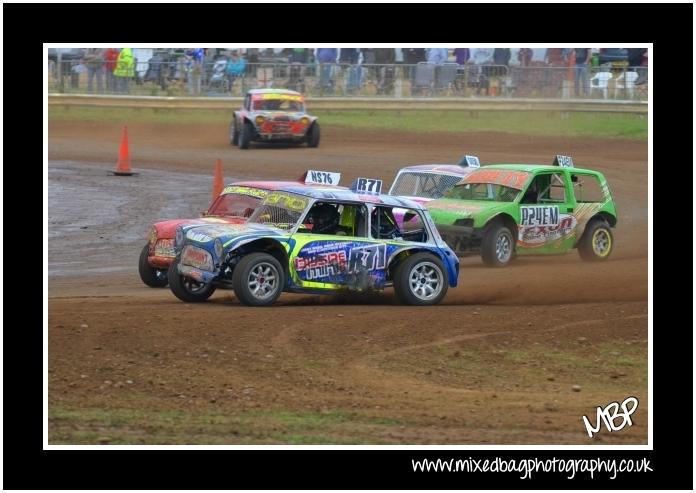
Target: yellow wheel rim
[601, 242]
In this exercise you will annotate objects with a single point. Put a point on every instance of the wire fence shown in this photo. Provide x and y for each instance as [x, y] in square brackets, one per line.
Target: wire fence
[221, 78]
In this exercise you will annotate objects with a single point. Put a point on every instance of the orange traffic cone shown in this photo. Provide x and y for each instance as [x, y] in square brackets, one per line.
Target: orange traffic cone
[218, 184]
[123, 166]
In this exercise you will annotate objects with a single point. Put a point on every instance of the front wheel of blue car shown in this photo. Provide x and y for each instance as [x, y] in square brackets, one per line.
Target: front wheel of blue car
[420, 279]
[187, 289]
[258, 279]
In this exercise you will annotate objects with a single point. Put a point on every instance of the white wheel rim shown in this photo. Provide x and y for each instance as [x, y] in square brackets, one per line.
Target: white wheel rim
[425, 280]
[263, 280]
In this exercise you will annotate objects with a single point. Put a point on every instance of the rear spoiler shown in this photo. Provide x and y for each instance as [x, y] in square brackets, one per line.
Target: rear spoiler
[320, 177]
[563, 161]
[469, 162]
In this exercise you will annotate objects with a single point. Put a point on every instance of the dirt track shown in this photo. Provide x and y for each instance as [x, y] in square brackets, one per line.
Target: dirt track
[495, 364]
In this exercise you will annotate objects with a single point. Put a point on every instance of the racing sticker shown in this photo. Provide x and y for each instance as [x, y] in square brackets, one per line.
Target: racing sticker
[274, 95]
[322, 261]
[346, 263]
[252, 192]
[322, 177]
[508, 178]
[292, 202]
[531, 235]
[539, 215]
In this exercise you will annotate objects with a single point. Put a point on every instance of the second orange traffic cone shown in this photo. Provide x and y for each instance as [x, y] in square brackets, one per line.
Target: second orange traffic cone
[218, 184]
[123, 165]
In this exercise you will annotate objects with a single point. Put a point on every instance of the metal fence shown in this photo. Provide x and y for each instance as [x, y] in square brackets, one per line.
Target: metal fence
[177, 78]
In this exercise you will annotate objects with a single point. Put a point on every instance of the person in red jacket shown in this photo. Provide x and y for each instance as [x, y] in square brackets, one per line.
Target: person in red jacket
[110, 57]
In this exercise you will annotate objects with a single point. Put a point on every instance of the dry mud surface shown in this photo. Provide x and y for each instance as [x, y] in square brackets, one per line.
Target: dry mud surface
[496, 363]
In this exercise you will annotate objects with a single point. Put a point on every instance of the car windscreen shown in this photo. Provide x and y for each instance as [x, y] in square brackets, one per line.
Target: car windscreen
[281, 210]
[278, 104]
[426, 185]
[483, 191]
[234, 204]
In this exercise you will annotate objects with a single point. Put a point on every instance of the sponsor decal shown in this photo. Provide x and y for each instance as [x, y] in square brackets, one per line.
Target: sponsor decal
[505, 177]
[287, 201]
[273, 95]
[250, 191]
[539, 215]
[536, 236]
[329, 264]
[165, 248]
[197, 257]
[357, 265]
[322, 177]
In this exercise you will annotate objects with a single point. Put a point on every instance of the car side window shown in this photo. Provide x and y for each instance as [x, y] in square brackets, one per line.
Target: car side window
[587, 188]
[545, 188]
[413, 227]
[336, 219]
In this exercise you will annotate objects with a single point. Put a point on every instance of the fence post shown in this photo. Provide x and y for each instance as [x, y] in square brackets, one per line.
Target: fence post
[570, 76]
[398, 83]
[61, 87]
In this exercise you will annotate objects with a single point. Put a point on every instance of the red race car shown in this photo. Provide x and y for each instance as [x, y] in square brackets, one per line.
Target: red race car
[233, 206]
[273, 115]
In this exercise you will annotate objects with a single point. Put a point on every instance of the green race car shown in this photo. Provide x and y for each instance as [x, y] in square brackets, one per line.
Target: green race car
[502, 210]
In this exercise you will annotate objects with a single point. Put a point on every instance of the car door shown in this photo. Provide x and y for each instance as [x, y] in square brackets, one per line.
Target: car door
[547, 224]
[344, 259]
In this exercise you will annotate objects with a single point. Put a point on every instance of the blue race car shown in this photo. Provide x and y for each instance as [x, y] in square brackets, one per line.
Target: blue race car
[317, 241]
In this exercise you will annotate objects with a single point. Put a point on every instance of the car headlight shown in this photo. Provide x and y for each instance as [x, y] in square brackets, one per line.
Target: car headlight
[218, 247]
[259, 120]
[304, 120]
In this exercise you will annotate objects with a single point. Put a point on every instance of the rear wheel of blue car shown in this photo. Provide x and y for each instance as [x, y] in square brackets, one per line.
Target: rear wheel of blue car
[313, 135]
[258, 279]
[155, 278]
[234, 135]
[245, 135]
[420, 279]
[187, 289]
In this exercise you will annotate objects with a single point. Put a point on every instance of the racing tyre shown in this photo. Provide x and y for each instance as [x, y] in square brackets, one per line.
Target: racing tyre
[497, 246]
[155, 278]
[245, 135]
[421, 279]
[313, 135]
[234, 135]
[258, 279]
[596, 242]
[187, 289]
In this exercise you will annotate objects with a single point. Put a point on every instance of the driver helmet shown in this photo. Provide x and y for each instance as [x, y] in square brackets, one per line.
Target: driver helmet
[324, 218]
